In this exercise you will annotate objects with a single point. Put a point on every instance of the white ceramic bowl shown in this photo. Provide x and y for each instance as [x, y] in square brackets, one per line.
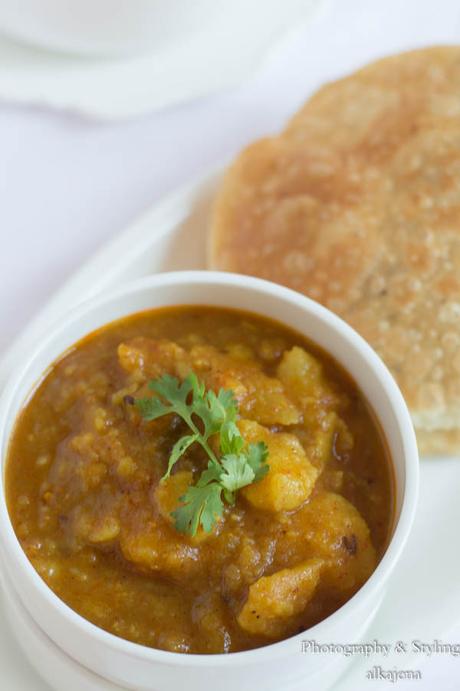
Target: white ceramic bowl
[280, 665]
[127, 27]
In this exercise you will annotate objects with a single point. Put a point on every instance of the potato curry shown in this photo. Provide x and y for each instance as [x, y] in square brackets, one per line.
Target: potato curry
[199, 480]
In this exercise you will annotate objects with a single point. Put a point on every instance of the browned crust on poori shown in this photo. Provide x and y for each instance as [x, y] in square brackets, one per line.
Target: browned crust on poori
[357, 204]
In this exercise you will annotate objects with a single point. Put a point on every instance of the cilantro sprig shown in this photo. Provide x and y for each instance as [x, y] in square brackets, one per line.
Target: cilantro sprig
[206, 413]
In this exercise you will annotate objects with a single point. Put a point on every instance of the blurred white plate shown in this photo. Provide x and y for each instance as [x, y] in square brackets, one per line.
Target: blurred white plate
[190, 60]
[423, 600]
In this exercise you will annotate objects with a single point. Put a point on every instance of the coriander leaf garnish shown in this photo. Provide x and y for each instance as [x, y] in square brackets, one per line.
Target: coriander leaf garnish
[206, 414]
[202, 506]
[212, 472]
[237, 472]
[231, 440]
[179, 448]
[257, 456]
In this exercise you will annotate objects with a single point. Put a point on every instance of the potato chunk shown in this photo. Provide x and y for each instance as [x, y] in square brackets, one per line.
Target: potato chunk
[260, 397]
[334, 530]
[104, 530]
[167, 495]
[329, 433]
[291, 477]
[153, 547]
[302, 376]
[274, 600]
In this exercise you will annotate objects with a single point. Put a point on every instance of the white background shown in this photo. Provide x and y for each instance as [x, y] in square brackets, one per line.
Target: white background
[68, 184]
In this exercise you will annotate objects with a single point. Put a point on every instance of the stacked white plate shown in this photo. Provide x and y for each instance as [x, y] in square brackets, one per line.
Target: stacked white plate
[121, 58]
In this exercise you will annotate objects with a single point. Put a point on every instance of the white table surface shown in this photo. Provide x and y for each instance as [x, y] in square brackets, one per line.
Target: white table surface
[67, 185]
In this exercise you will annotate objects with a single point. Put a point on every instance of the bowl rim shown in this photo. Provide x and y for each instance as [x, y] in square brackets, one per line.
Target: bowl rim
[180, 279]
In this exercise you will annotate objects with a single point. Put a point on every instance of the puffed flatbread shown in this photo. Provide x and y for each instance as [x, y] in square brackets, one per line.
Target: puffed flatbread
[357, 204]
